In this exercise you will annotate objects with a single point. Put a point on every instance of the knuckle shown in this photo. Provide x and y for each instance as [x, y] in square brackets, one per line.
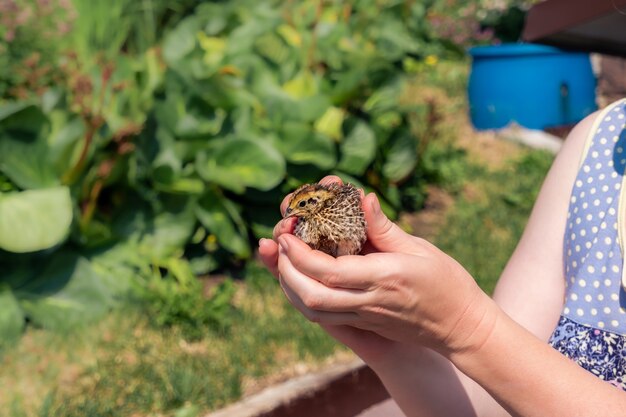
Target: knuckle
[375, 310]
[312, 302]
[332, 280]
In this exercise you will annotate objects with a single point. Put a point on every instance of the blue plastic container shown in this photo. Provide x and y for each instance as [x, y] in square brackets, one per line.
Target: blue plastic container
[535, 86]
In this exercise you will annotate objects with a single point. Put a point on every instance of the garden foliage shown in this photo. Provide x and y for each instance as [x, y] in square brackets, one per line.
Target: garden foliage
[147, 157]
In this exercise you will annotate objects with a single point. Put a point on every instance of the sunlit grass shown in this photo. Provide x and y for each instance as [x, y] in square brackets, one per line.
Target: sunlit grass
[489, 216]
[125, 366]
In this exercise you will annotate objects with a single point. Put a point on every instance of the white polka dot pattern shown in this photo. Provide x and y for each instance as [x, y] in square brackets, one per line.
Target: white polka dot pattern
[593, 258]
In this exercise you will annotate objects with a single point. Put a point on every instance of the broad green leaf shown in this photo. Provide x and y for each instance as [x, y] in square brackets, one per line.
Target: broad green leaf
[24, 152]
[64, 142]
[121, 267]
[64, 293]
[401, 157]
[11, 316]
[239, 163]
[34, 220]
[170, 229]
[302, 85]
[394, 40]
[27, 164]
[223, 220]
[11, 108]
[181, 41]
[200, 119]
[301, 145]
[358, 149]
[385, 98]
[23, 120]
[281, 107]
[309, 109]
[331, 122]
[214, 49]
[290, 35]
[271, 47]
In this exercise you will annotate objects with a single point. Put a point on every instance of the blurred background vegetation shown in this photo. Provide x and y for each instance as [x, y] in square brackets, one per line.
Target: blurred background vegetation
[145, 147]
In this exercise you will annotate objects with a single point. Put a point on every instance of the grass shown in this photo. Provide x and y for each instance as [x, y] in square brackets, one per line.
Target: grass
[490, 214]
[125, 366]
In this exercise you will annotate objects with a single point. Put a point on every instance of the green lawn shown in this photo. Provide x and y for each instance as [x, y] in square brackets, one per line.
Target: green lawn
[487, 220]
[125, 366]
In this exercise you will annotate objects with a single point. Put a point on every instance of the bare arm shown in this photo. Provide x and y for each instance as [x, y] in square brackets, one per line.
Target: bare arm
[483, 355]
[530, 291]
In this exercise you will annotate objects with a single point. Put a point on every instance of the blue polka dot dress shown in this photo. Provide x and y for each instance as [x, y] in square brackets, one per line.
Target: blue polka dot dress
[592, 327]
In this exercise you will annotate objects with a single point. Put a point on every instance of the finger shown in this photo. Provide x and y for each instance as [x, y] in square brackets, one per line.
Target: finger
[284, 226]
[315, 295]
[330, 179]
[268, 252]
[285, 204]
[318, 316]
[350, 272]
[382, 234]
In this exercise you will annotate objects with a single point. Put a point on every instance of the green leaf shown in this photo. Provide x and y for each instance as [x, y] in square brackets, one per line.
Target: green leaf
[401, 157]
[358, 149]
[301, 145]
[24, 152]
[239, 163]
[11, 108]
[27, 164]
[22, 119]
[11, 316]
[65, 293]
[34, 220]
[385, 98]
[331, 122]
[181, 41]
[304, 84]
[222, 219]
[170, 229]
[64, 142]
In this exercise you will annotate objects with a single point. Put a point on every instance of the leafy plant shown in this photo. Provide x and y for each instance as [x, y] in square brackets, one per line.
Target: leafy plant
[147, 158]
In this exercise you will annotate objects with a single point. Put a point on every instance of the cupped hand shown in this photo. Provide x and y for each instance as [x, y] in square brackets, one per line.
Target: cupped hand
[402, 290]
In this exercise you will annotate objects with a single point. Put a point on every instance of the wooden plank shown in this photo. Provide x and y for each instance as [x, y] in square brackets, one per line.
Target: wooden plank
[553, 16]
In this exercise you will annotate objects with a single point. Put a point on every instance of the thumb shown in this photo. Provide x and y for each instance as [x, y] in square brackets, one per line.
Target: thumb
[383, 234]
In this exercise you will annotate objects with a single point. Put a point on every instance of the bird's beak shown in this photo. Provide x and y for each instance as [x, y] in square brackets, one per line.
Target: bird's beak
[288, 212]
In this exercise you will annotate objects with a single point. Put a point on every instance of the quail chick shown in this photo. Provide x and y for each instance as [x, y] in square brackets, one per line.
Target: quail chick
[330, 218]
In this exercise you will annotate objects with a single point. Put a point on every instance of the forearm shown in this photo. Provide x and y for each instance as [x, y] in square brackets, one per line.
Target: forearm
[544, 382]
[424, 383]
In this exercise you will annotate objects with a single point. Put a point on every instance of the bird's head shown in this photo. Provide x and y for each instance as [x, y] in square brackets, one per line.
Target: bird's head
[308, 200]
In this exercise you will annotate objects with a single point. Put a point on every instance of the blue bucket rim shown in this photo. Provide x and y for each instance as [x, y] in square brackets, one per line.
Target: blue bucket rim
[514, 49]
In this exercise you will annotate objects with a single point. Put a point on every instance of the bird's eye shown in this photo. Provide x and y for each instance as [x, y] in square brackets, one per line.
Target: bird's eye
[302, 203]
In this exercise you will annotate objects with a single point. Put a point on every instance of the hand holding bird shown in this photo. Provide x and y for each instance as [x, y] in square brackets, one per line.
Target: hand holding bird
[404, 290]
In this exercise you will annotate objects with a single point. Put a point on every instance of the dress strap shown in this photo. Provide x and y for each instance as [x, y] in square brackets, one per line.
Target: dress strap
[619, 109]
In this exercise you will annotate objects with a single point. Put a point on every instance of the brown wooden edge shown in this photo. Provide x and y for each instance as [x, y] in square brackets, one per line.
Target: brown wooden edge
[552, 16]
[345, 396]
[341, 390]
